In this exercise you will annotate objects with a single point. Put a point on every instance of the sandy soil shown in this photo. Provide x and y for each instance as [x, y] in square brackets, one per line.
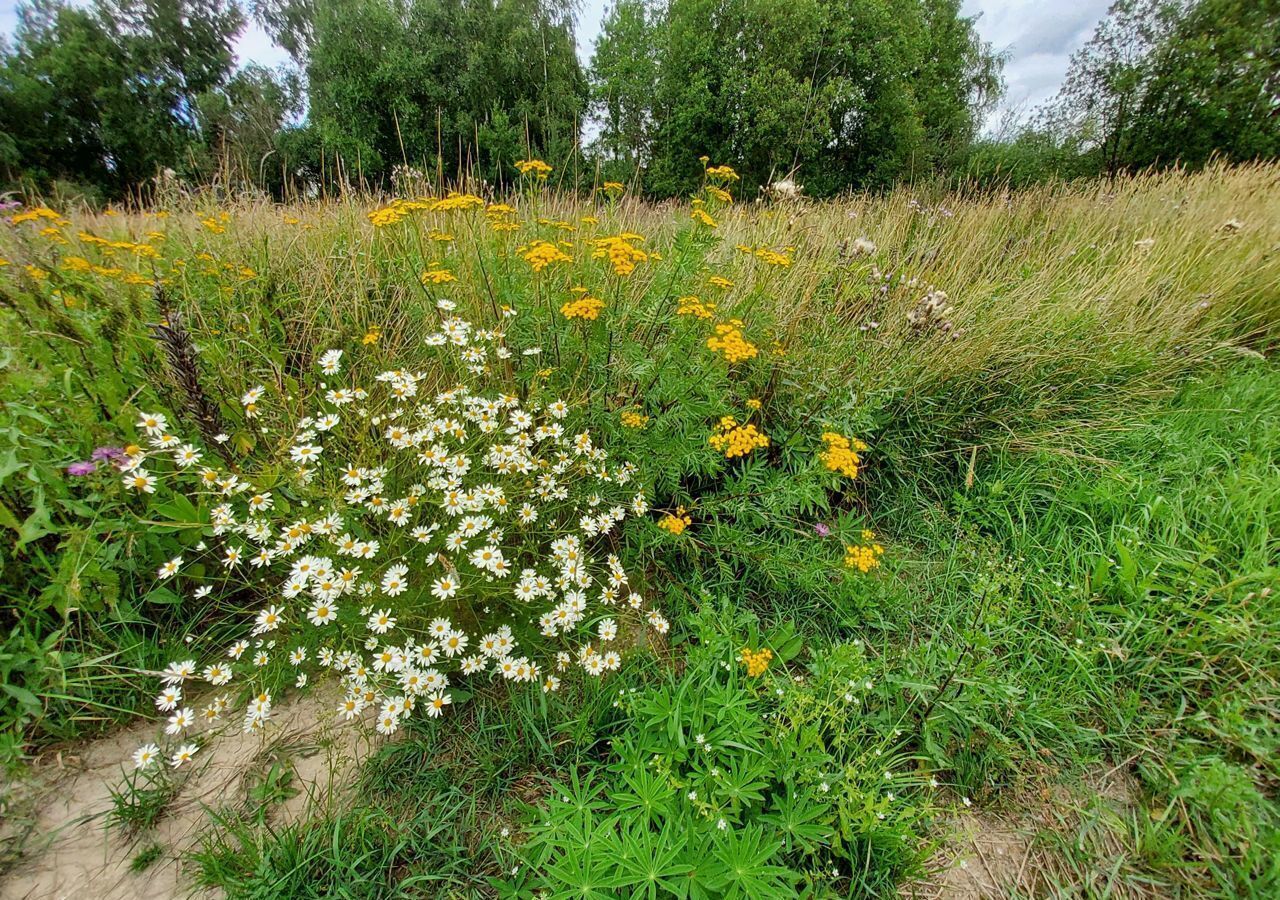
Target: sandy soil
[1002, 853]
[59, 812]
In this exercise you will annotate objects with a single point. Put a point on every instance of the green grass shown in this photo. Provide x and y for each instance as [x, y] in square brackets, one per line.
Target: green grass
[140, 801]
[1133, 621]
[146, 857]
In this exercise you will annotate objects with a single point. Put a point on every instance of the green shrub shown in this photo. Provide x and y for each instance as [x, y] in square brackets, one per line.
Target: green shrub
[725, 784]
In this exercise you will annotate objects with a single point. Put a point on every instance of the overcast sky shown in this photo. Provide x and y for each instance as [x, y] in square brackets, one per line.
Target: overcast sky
[1037, 35]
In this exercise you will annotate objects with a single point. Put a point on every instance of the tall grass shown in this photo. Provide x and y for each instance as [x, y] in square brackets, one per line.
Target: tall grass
[1062, 296]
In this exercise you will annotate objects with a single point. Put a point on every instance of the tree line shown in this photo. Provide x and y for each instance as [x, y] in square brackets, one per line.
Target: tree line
[834, 95]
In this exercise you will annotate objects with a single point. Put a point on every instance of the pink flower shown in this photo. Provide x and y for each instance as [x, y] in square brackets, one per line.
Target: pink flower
[82, 468]
[822, 529]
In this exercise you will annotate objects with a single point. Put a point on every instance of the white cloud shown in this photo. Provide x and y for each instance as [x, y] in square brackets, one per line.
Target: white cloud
[1038, 38]
[253, 45]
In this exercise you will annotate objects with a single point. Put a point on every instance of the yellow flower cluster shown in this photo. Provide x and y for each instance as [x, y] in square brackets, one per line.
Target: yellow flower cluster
[772, 257]
[37, 213]
[372, 336]
[698, 214]
[621, 251]
[585, 307]
[692, 306]
[733, 439]
[614, 187]
[558, 223]
[453, 201]
[728, 340]
[865, 556]
[756, 661]
[719, 193]
[841, 454]
[80, 264]
[388, 215]
[675, 522]
[536, 166]
[396, 210]
[501, 217]
[437, 276]
[632, 419]
[722, 173]
[723, 283]
[541, 254]
[107, 246]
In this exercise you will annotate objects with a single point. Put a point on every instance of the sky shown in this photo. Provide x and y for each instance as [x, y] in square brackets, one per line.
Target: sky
[1038, 37]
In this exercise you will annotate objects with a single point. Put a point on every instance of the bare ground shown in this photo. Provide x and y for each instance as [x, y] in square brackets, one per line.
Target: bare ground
[1017, 850]
[55, 819]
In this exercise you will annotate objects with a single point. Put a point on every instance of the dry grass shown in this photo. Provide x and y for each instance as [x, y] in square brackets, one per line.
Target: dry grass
[1062, 299]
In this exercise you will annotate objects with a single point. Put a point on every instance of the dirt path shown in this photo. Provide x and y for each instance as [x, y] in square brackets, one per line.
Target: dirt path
[68, 852]
[1011, 852]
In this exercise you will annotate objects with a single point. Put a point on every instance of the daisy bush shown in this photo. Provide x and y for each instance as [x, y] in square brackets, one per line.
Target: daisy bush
[410, 530]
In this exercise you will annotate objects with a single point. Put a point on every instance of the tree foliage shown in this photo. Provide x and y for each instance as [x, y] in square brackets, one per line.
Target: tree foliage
[841, 93]
[834, 94]
[442, 85]
[110, 94]
[1172, 81]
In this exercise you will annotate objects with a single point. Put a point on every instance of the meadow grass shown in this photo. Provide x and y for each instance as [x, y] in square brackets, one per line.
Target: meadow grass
[1073, 464]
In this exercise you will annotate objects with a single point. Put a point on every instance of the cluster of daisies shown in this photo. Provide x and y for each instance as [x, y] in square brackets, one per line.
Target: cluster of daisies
[443, 530]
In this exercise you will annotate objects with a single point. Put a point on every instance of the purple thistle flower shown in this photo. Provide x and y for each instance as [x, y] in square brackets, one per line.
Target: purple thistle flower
[107, 453]
[82, 468]
[822, 529]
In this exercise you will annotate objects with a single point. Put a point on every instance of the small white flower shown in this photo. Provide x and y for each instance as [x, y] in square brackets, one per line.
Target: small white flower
[145, 756]
[169, 569]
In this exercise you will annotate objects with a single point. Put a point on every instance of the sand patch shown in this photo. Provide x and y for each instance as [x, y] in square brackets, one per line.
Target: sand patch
[1015, 851]
[57, 815]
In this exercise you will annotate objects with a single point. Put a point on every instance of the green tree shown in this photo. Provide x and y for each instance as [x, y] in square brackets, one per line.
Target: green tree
[1212, 87]
[58, 86]
[110, 94]
[442, 85]
[290, 23]
[1167, 81]
[624, 73]
[241, 124]
[841, 93]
